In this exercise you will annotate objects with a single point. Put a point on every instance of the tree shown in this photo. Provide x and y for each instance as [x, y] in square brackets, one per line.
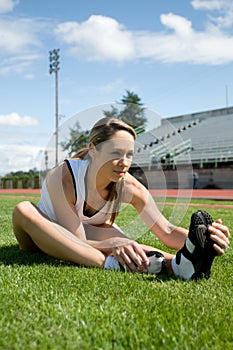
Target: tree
[114, 113]
[78, 139]
[133, 112]
[19, 179]
[131, 97]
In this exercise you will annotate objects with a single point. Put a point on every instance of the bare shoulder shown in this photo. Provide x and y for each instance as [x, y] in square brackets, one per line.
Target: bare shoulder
[67, 184]
[134, 191]
[60, 179]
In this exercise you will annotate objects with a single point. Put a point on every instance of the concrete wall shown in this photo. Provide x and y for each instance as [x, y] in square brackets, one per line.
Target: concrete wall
[182, 178]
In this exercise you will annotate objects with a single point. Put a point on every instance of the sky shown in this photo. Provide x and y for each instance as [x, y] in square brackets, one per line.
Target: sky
[176, 55]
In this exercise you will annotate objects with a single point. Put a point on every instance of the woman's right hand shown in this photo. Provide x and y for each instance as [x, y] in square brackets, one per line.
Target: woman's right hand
[130, 255]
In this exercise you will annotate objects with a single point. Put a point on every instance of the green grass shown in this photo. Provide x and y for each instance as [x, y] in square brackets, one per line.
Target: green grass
[48, 304]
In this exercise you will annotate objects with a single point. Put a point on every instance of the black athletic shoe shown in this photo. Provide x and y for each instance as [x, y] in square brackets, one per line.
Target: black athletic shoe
[209, 251]
[204, 253]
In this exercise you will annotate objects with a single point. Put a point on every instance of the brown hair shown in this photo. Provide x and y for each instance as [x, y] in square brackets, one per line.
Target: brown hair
[102, 131]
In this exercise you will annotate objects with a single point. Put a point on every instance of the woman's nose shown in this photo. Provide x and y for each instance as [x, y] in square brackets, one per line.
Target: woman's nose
[124, 161]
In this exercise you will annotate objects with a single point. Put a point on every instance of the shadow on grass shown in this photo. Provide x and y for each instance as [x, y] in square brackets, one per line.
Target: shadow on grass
[12, 255]
[159, 278]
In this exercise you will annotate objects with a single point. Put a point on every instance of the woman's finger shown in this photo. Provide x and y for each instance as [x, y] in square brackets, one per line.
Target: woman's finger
[222, 243]
[219, 250]
[139, 257]
[224, 229]
[124, 259]
[141, 254]
[220, 233]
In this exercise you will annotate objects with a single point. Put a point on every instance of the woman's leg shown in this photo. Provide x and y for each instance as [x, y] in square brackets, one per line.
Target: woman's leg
[147, 248]
[106, 231]
[34, 231]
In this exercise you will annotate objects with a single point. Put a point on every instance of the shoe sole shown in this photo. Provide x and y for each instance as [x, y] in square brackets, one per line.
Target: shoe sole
[203, 236]
[210, 252]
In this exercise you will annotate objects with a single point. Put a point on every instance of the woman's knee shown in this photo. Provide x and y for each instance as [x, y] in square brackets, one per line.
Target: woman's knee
[20, 216]
[23, 214]
[21, 210]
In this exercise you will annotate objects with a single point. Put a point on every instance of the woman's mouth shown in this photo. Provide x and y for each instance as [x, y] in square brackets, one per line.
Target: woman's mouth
[119, 173]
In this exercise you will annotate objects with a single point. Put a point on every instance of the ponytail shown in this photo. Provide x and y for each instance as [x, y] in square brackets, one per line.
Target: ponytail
[81, 154]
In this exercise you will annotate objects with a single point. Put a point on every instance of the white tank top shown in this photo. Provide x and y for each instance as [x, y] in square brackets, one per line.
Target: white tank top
[78, 169]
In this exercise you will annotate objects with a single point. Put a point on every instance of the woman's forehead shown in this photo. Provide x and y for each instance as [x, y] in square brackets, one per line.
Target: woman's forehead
[119, 143]
[122, 134]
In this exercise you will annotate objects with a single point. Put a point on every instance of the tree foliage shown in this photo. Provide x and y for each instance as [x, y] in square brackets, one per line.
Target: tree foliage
[77, 139]
[21, 179]
[132, 113]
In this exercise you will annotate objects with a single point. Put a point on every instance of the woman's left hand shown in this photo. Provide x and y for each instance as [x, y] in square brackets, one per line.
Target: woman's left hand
[220, 235]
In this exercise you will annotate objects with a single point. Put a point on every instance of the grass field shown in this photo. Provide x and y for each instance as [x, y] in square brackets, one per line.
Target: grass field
[49, 304]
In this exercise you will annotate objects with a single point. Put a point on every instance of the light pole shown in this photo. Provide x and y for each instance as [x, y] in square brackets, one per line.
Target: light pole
[54, 68]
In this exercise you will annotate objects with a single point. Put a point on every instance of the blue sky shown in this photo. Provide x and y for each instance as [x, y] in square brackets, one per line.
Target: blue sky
[177, 55]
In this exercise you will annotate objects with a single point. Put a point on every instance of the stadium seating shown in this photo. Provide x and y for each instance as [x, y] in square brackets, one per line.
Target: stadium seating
[202, 139]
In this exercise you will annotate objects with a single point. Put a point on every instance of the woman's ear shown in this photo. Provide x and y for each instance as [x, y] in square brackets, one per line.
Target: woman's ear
[91, 149]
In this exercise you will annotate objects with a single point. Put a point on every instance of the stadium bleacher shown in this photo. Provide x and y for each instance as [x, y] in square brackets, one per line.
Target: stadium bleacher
[202, 139]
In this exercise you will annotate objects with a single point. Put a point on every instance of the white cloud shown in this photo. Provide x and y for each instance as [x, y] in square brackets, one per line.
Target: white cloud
[7, 5]
[17, 35]
[223, 11]
[14, 119]
[21, 43]
[208, 47]
[19, 157]
[181, 25]
[98, 38]
[17, 64]
[17, 67]
[208, 4]
[103, 38]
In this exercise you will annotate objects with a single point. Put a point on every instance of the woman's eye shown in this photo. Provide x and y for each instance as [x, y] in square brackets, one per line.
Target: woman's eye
[130, 155]
[116, 154]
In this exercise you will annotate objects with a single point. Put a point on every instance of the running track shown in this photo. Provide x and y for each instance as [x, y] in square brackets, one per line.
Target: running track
[226, 195]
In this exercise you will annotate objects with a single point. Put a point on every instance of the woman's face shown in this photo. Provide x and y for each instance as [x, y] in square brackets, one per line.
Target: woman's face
[114, 157]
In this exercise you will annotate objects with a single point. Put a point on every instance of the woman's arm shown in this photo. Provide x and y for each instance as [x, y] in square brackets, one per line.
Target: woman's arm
[135, 193]
[172, 236]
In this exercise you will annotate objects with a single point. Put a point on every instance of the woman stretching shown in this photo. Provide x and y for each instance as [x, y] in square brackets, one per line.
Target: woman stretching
[80, 200]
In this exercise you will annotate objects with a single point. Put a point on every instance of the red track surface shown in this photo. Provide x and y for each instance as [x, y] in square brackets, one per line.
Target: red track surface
[187, 193]
[220, 195]
[210, 194]
[20, 191]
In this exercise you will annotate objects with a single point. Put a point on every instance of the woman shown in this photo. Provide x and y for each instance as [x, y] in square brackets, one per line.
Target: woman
[80, 199]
